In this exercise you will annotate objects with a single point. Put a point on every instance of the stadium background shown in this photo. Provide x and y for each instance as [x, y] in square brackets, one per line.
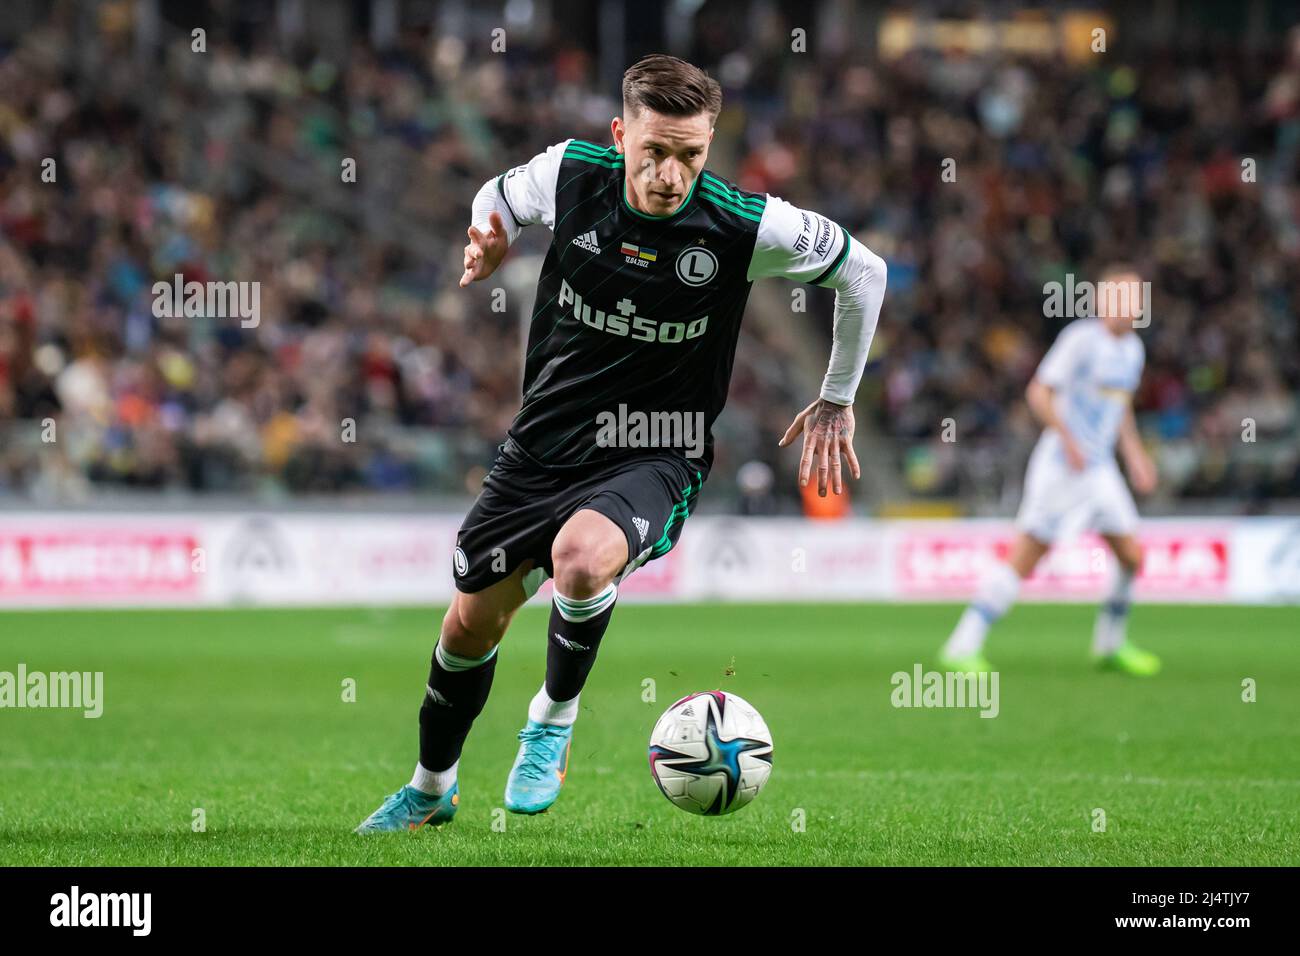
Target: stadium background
[226, 165]
[198, 465]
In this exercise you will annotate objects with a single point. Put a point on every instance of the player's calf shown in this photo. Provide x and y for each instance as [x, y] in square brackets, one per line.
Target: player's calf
[1112, 616]
[1110, 645]
[587, 555]
[460, 678]
[997, 592]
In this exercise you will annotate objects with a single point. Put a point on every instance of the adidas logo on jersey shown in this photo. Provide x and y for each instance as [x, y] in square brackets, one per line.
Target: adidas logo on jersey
[587, 241]
[642, 526]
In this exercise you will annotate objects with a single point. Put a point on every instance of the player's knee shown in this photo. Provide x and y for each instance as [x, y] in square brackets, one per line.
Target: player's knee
[585, 563]
[1130, 556]
[470, 632]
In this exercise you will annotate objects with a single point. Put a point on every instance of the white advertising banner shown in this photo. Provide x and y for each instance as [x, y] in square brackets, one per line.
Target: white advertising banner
[1266, 561]
[63, 559]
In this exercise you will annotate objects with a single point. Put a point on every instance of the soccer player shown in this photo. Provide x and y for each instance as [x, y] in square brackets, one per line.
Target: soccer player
[1082, 394]
[636, 320]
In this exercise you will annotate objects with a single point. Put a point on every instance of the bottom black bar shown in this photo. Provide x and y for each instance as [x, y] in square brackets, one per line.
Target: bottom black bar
[328, 905]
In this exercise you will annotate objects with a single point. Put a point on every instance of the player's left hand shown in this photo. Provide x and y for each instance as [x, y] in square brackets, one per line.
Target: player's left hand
[827, 435]
[1142, 473]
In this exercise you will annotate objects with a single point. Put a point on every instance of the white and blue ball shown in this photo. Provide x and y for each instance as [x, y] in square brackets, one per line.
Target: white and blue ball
[710, 753]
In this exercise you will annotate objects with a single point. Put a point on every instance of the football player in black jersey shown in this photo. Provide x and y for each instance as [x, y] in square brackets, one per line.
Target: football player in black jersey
[629, 357]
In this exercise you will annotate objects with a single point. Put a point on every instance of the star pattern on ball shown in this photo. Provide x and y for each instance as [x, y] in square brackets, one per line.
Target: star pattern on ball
[723, 757]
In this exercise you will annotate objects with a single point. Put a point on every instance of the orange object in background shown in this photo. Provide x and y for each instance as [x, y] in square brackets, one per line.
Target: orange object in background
[832, 507]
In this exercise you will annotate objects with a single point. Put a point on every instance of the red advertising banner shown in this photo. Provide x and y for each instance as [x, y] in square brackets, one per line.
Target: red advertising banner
[104, 562]
[947, 561]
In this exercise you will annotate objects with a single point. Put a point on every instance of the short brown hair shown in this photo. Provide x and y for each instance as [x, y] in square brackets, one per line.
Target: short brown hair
[665, 84]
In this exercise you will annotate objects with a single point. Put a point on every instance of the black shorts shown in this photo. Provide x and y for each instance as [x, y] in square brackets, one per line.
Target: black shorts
[523, 504]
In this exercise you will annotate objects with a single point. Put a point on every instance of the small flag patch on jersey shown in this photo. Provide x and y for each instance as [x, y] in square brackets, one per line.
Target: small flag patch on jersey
[639, 252]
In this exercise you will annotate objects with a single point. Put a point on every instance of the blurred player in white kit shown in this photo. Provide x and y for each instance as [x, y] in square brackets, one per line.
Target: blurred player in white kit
[1082, 394]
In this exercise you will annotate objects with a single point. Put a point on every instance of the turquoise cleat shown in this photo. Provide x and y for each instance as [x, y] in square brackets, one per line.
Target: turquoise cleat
[539, 769]
[410, 809]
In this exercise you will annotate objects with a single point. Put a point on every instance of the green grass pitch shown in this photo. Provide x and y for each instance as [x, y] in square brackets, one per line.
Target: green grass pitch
[241, 713]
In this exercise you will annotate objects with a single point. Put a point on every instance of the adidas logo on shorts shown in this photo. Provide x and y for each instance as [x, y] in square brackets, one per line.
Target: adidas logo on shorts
[587, 241]
[642, 526]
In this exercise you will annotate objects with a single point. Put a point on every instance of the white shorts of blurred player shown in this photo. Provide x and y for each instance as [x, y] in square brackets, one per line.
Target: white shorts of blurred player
[1060, 503]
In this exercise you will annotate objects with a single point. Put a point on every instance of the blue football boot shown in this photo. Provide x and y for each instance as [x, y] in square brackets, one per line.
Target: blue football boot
[539, 769]
[410, 809]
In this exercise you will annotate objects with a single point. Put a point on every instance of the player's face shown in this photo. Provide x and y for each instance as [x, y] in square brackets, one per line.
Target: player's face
[663, 156]
[1123, 305]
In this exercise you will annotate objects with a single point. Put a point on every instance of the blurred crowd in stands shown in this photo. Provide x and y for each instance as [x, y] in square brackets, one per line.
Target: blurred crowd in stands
[227, 166]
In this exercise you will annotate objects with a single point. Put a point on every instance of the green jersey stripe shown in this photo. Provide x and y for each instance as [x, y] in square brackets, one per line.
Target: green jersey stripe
[732, 196]
[609, 154]
[592, 148]
[706, 193]
[594, 161]
[757, 203]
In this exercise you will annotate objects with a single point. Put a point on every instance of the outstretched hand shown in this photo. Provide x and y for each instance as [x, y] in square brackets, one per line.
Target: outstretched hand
[485, 250]
[827, 435]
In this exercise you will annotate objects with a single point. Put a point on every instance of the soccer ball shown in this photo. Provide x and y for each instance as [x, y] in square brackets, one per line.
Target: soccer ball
[711, 753]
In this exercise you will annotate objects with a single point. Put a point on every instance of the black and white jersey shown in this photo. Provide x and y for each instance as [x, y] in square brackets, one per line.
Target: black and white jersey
[638, 316]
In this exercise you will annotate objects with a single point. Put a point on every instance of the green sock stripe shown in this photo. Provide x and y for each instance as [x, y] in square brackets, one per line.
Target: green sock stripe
[455, 662]
[580, 603]
[577, 610]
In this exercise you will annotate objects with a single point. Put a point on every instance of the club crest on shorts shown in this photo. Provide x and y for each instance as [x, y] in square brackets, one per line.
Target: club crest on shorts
[460, 562]
[696, 265]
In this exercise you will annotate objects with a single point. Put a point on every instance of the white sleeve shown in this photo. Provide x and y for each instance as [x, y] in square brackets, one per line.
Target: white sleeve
[1058, 365]
[524, 195]
[808, 247]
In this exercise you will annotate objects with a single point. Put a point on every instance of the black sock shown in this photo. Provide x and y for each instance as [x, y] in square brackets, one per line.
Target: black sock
[451, 702]
[573, 640]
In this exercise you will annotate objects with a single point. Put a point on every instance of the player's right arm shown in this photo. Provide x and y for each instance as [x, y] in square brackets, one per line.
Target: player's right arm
[1053, 373]
[505, 204]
